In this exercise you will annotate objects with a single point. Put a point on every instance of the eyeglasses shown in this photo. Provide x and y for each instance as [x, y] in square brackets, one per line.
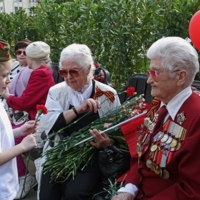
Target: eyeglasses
[19, 52]
[72, 72]
[155, 75]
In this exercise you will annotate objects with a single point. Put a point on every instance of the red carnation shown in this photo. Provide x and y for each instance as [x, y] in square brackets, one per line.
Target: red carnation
[41, 109]
[96, 65]
[130, 91]
[1, 46]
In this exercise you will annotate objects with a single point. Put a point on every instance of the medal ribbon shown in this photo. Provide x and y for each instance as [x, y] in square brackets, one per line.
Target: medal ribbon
[155, 104]
[108, 94]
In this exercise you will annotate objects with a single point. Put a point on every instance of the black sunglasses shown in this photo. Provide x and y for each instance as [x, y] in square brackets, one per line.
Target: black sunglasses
[19, 52]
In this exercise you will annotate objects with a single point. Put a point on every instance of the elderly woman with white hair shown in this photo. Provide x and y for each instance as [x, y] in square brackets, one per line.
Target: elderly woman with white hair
[167, 165]
[67, 102]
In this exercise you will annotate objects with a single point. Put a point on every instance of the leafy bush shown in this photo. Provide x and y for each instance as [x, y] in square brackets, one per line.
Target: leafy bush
[118, 32]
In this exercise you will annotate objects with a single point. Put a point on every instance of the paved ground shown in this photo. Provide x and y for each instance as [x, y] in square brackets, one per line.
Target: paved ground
[31, 195]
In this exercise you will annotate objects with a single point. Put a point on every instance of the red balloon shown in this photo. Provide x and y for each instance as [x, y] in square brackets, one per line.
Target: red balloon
[194, 29]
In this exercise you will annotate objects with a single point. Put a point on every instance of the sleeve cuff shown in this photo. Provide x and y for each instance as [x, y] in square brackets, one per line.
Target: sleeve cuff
[129, 188]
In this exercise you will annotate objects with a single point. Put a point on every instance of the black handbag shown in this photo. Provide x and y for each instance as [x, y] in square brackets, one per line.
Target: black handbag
[113, 162]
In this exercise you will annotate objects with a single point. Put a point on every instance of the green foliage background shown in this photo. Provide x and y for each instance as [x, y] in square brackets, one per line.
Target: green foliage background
[118, 32]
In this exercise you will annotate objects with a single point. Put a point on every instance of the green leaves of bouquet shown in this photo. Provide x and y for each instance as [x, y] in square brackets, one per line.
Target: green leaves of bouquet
[75, 151]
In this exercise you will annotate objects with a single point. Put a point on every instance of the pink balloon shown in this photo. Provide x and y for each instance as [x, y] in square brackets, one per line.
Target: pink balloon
[194, 29]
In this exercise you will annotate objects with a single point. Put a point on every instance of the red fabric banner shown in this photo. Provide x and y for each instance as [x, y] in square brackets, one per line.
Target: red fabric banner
[129, 131]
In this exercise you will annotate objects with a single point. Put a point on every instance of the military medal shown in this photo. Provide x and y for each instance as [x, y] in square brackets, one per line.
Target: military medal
[157, 170]
[169, 140]
[163, 161]
[181, 118]
[139, 149]
[158, 136]
[163, 144]
[178, 146]
[147, 122]
[173, 143]
[165, 174]
[151, 127]
[148, 163]
[153, 147]
[165, 137]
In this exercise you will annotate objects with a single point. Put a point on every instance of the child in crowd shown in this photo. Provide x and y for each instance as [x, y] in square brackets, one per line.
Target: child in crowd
[8, 152]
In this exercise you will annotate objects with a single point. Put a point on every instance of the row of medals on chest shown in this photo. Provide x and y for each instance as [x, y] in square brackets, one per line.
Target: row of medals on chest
[164, 143]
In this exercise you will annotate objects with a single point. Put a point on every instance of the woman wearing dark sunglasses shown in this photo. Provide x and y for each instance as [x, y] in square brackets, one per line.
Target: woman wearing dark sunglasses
[20, 54]
[67, 102]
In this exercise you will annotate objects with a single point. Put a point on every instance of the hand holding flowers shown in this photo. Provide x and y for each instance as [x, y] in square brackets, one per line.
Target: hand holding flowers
[26, 129]
[88, 105]
[29, 142]
[29, 127]
[101, 140]
[75, 152]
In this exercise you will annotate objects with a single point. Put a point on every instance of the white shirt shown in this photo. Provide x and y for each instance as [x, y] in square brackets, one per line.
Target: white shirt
[173, 107]
[8, 172]
[16, 68]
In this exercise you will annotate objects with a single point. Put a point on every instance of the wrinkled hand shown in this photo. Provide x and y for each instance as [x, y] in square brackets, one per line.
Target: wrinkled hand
[89, 105]
[5, 94]
[29, 142]
[28, 128]
[101, 140]
[123, 196]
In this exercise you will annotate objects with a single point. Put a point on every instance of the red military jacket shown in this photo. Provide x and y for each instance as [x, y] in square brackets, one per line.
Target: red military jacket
[183, 167]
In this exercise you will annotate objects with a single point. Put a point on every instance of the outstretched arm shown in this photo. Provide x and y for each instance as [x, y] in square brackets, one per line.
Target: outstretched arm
[27, 144]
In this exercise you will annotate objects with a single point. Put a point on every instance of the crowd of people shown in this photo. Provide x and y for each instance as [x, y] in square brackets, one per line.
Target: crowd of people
[165, 163]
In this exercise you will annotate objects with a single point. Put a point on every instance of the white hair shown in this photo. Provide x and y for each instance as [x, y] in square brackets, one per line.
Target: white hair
[80, 54]
[175, 53]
